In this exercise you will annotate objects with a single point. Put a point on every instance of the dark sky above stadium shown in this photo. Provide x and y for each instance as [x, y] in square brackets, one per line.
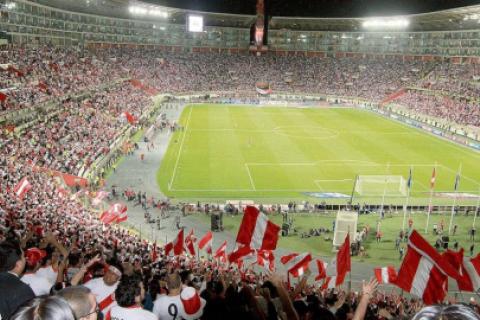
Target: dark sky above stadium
[320, 8]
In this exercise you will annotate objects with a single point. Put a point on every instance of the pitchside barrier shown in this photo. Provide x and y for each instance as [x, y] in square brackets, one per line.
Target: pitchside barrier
[346, 222]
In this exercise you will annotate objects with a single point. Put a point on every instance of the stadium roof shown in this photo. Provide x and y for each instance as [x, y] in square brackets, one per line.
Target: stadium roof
[463, 18]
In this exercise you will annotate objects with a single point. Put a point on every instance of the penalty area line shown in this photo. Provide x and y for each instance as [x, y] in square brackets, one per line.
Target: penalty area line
[250, 176]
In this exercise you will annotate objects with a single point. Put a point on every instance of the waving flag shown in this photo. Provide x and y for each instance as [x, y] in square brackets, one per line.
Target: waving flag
[343, 263]
[99, 197]
[424, 272]
[221, 252]
[178, 244]
[190, 242]
[329, 283]
[266, 259]
[22, 187]
[296, 264]
[206, 242]
[130, 118]
[320, 269]
[116, 213]
[468, 268]
[256, 231]
[385, 274]
[239, 253]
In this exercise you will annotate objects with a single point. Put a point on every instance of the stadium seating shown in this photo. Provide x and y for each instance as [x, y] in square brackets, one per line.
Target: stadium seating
[92, 92]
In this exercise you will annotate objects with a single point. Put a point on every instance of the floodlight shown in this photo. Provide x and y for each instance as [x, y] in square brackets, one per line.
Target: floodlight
[381, 23]
[137, 10]
[195, 23]
[158, 13]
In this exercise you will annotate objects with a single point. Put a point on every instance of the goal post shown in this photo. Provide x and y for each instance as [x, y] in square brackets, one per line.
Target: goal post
[375, 185]
[345, 222]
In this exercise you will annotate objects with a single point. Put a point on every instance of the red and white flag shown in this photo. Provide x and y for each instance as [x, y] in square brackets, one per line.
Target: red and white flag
[130, 118]
[206, 242]
[190, 242]
[178, 244]
[116, 213]
[385, 274]
[266, 259]
[468, 268]
[256, 231]
[424, 272]
[296, 264]
[22, 187]
[121, 210]
[343, 263]
[239, 253]
[320, 269]
[432, 179]
[329, 283]
[99, 197]
[221, 252]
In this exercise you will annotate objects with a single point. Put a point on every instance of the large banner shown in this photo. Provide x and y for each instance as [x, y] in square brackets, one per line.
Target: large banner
[263, 88]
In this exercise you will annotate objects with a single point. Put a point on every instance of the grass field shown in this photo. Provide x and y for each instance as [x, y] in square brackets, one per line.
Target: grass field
[271, 154]
[382, 253]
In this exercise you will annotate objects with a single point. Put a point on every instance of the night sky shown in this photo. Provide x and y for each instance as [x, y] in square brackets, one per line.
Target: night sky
[320, 8]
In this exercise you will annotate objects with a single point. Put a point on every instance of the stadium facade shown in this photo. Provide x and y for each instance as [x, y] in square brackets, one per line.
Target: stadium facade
[452, 34]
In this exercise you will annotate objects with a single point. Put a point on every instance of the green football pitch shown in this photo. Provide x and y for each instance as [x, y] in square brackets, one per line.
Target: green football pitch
[271, 154]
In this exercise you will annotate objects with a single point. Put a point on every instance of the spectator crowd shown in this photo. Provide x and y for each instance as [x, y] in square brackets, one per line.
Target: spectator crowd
[59, 261]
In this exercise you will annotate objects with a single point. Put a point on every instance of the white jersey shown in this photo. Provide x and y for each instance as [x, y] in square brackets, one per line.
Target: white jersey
[48, 273]
[103, 293]
[132, 313]
[40, 285]
[168, 308]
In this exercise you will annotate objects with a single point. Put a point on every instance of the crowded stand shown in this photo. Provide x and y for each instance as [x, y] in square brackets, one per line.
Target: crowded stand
[454, 79]
[57, 255]
[446, 108]
[32, 76]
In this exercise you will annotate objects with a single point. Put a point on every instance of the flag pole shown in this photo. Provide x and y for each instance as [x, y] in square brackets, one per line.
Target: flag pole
[353, 190]
[457, 182]
[430, 201]
[382, 213]
[405, 208]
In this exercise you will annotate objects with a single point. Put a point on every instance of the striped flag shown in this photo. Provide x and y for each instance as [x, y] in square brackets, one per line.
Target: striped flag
[22, 187]
[296, 264]
[432, 179]
[257, 231]
[424, 272]
[385, 274]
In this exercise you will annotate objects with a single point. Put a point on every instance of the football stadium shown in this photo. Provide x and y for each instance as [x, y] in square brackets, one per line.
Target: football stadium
[255, 159]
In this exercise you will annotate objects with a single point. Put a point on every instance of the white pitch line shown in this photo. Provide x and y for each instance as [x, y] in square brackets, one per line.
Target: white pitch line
[180, 150]
[281, 164]
[332, 180]
[461, 175]
[250, 176]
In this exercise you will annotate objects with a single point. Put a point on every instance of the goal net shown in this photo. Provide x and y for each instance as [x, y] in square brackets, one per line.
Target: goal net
[377, 185]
